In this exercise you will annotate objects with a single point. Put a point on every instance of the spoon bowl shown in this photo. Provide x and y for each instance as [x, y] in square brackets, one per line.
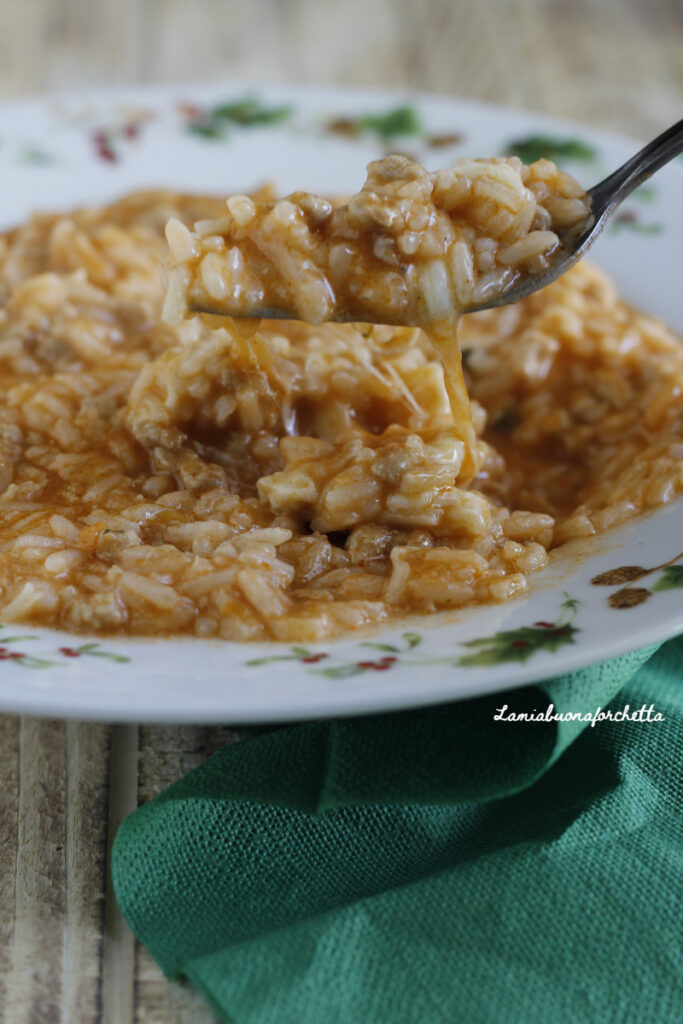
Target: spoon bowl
[605, 198]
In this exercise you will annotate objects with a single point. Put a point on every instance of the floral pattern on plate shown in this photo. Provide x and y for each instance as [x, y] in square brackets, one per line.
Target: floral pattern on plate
[629, 597]
[32, 659]
[59, 152]
[506, 645]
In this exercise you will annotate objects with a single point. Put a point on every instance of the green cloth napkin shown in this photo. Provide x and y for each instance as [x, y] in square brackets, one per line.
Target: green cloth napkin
[430, 866]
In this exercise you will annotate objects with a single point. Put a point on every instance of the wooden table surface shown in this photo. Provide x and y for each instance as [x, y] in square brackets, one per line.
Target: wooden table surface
[66, 956]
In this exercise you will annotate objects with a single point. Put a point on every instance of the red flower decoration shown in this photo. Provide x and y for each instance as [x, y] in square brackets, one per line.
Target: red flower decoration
[191, 110]
[103, 146]
[69, 652]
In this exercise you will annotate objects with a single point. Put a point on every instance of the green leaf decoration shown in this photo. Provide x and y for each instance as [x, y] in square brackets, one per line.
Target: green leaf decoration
[671, 578]
[340, 671]
[39, 661]
[412, 640]
[538, 147]
[249, 111]
[31, 661]
[517, 644]
[381, 647]
[296, 654]
[275, 657]
[213, 123]
[571, 604]
[207, 129]
[400, 121]
[92, 649]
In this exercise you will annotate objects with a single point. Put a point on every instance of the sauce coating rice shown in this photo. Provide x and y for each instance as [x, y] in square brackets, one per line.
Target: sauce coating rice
[293, 482]
[411, 248]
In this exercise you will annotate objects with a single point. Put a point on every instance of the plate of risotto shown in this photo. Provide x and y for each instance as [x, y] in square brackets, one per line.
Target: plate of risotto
[371, 499]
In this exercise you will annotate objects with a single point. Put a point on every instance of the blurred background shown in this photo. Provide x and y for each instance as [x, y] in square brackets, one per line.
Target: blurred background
[613, 63]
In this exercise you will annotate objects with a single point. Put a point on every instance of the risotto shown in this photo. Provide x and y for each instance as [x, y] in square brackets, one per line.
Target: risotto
[411, 248]
[284, 481]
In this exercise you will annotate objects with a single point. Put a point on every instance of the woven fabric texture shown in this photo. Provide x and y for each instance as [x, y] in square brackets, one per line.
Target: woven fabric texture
[430, 866]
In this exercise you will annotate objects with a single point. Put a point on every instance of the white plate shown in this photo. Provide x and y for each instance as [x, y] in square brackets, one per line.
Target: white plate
[65, 151]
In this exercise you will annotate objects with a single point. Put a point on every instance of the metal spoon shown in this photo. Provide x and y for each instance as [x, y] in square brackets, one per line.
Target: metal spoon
[605, 197]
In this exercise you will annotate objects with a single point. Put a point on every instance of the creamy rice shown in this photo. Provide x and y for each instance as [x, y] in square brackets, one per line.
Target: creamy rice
[411, 248]
[292, 482]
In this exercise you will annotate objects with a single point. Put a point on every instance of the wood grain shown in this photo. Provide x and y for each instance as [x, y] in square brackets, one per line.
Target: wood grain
[66, 955]
[52, 868]
[615, 63]
[117, 1003]
[166, 753]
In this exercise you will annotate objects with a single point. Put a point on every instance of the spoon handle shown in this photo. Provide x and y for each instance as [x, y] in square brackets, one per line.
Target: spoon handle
[612, 190]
